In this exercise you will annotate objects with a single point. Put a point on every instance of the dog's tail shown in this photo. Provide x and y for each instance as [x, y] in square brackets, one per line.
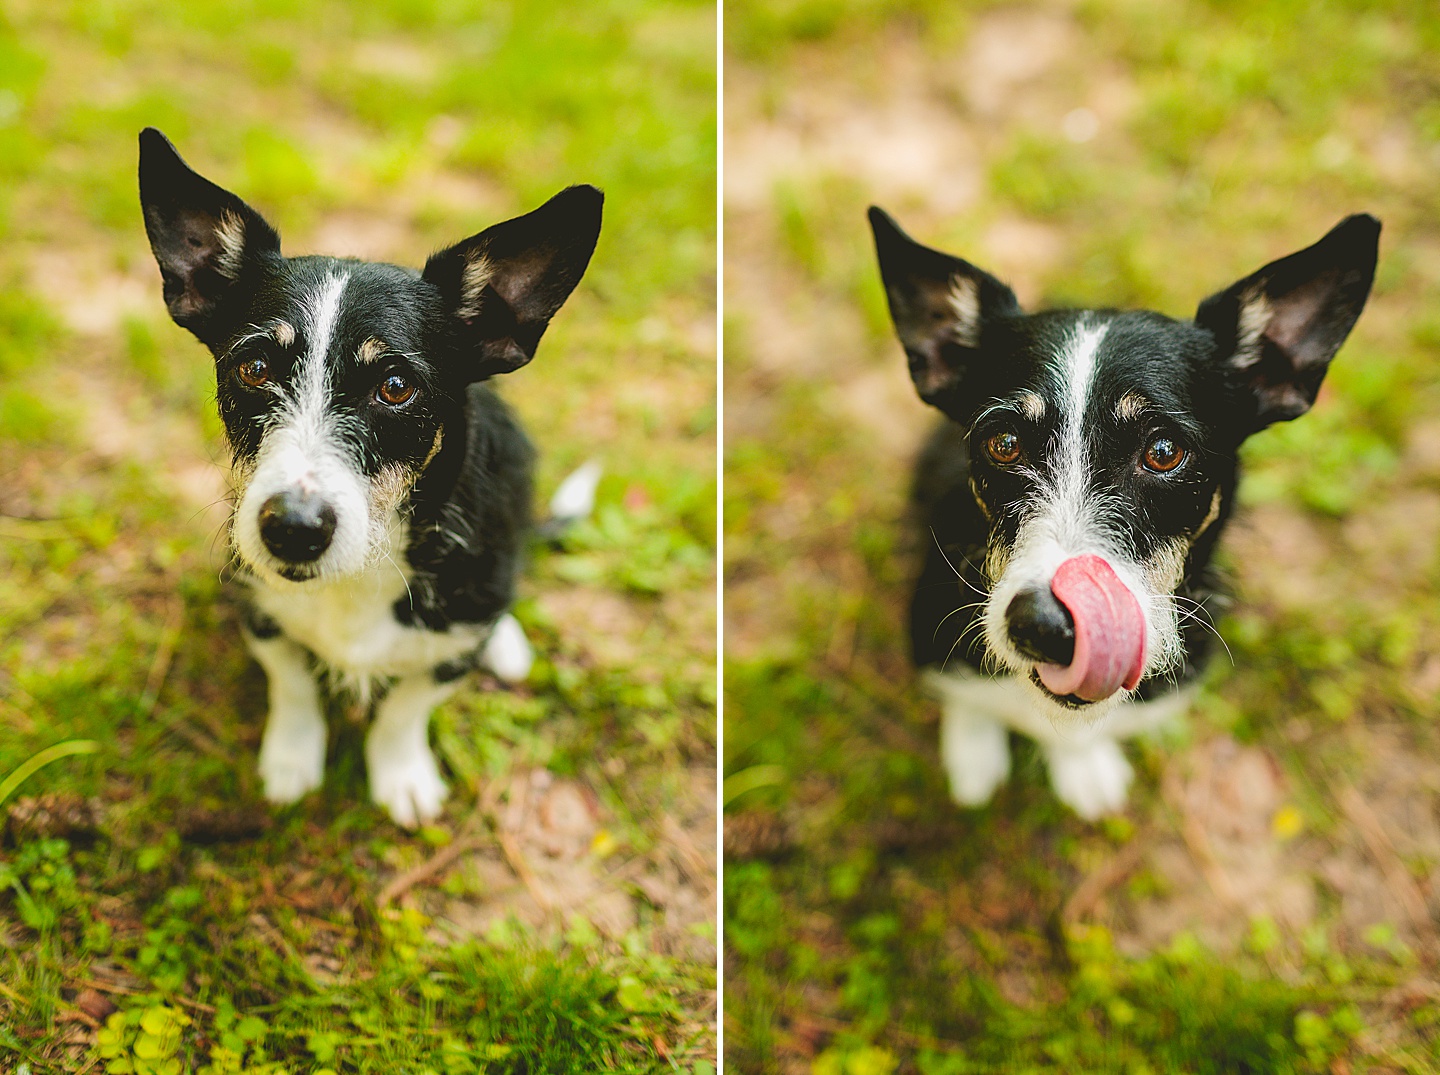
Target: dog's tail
[573, 501]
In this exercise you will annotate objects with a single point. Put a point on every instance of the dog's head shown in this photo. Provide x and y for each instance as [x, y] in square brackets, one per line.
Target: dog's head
[337, 379]
[1103, 443]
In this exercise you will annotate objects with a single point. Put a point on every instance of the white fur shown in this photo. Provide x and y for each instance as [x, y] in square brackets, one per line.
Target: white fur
[1066, 518]
[350, 626]
[292, 751]
[350, 623]
[507, 652]
[1087, 768]
[404, 778]
[300, 450]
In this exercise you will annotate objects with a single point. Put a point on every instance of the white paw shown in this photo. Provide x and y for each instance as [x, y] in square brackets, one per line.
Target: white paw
[1093, 779]
[508, 653]
[408, 786]
[976, 755]
[292, 755]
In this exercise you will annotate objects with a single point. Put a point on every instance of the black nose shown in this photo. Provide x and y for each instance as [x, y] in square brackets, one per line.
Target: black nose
[1041, 627]
[297, 526]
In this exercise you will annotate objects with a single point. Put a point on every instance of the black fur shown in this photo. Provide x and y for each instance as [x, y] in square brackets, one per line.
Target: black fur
[469, 507]
[1206, 387]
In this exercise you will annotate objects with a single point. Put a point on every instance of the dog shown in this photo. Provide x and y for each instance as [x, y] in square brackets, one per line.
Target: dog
[1072, 499]
[382, 489]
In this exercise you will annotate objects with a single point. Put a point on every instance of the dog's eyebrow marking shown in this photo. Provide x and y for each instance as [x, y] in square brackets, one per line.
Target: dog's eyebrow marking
[230, 234]
[1131, 406]
[1031, 406]
[370, 351]
[473, 278]
[284, 333]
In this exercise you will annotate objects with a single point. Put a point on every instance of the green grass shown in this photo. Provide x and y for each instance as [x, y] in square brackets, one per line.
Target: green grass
[870, 926]
[226, 935]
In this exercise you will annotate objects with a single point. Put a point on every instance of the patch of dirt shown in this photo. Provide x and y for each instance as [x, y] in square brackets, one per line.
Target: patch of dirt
[553, 863]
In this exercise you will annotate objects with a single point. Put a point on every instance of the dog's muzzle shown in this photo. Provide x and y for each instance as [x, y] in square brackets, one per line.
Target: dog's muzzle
[297, 526]
[1086, 631]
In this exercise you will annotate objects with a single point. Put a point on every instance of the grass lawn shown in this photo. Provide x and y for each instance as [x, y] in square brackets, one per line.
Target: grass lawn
[1268, 901]
[155, 914]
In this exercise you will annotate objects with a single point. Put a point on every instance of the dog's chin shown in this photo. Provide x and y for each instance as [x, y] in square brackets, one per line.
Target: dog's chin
[1071, 707]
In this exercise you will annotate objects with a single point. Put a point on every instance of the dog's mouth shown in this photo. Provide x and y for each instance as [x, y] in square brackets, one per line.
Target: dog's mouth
[296, 572]
[1069, 701]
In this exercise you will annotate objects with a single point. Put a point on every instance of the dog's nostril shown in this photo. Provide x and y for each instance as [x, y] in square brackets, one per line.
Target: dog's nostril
[297, 526]
[1041, 627]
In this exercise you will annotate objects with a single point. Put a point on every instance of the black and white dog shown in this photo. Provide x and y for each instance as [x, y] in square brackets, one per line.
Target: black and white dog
[1072, 502]
[382, 489]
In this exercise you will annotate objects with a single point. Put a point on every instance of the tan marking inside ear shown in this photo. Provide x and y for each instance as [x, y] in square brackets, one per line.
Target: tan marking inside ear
[370, 351]
[284, 333]
[1131, 406]
[230, 234]
[476, 274]
[1255, 315]
[1032, 406]
[964, 302]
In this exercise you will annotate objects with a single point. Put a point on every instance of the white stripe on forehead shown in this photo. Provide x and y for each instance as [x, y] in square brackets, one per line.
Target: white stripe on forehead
[310, 387]
[1076, 366]
[1069, 512]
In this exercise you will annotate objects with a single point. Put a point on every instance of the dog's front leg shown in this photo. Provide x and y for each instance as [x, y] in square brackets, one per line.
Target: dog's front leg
[404, 778]
[292, 751]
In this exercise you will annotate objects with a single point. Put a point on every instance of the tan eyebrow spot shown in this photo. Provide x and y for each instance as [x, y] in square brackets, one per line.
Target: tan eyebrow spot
[370, 351]
[1131, 406]
[284, 333]
[1032, 406]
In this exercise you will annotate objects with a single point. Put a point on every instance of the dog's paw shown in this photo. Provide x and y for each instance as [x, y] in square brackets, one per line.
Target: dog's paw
[976, 755]
[409, 787]
[1093, 780]
[508, 653]
[292, 755]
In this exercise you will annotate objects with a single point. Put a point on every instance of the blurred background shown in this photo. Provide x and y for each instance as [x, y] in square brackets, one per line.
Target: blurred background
[153, 911]
[1268, 901]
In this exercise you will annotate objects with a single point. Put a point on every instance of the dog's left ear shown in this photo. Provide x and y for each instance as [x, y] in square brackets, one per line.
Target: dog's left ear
[1280, 327]
[204, 238]
[504, 285]
[939, 304]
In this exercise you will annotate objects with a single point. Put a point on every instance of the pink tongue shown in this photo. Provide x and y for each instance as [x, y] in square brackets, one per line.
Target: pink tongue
[1109, 632]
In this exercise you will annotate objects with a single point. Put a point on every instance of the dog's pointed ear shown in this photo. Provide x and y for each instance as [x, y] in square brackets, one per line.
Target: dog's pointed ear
[504, 285]
[204, 238]
[939, 304]
[1278, 329]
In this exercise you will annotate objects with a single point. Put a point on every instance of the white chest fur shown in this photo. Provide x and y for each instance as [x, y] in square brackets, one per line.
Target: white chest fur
[350, 625]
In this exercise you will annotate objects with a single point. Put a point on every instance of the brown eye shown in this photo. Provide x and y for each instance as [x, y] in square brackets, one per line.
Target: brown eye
[1004, 448]
[395, 390]
[254, 372]
[1163, 455]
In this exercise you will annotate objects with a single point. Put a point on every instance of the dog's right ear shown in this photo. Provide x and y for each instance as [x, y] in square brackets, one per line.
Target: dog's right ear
[1277, 329]
[939, 304]
[203, 237]
[504, 285]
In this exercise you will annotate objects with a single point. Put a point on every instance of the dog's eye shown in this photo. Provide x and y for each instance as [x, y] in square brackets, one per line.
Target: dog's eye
[254, 372]
[1164, 455]
[1004, 447]
[395, 390]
